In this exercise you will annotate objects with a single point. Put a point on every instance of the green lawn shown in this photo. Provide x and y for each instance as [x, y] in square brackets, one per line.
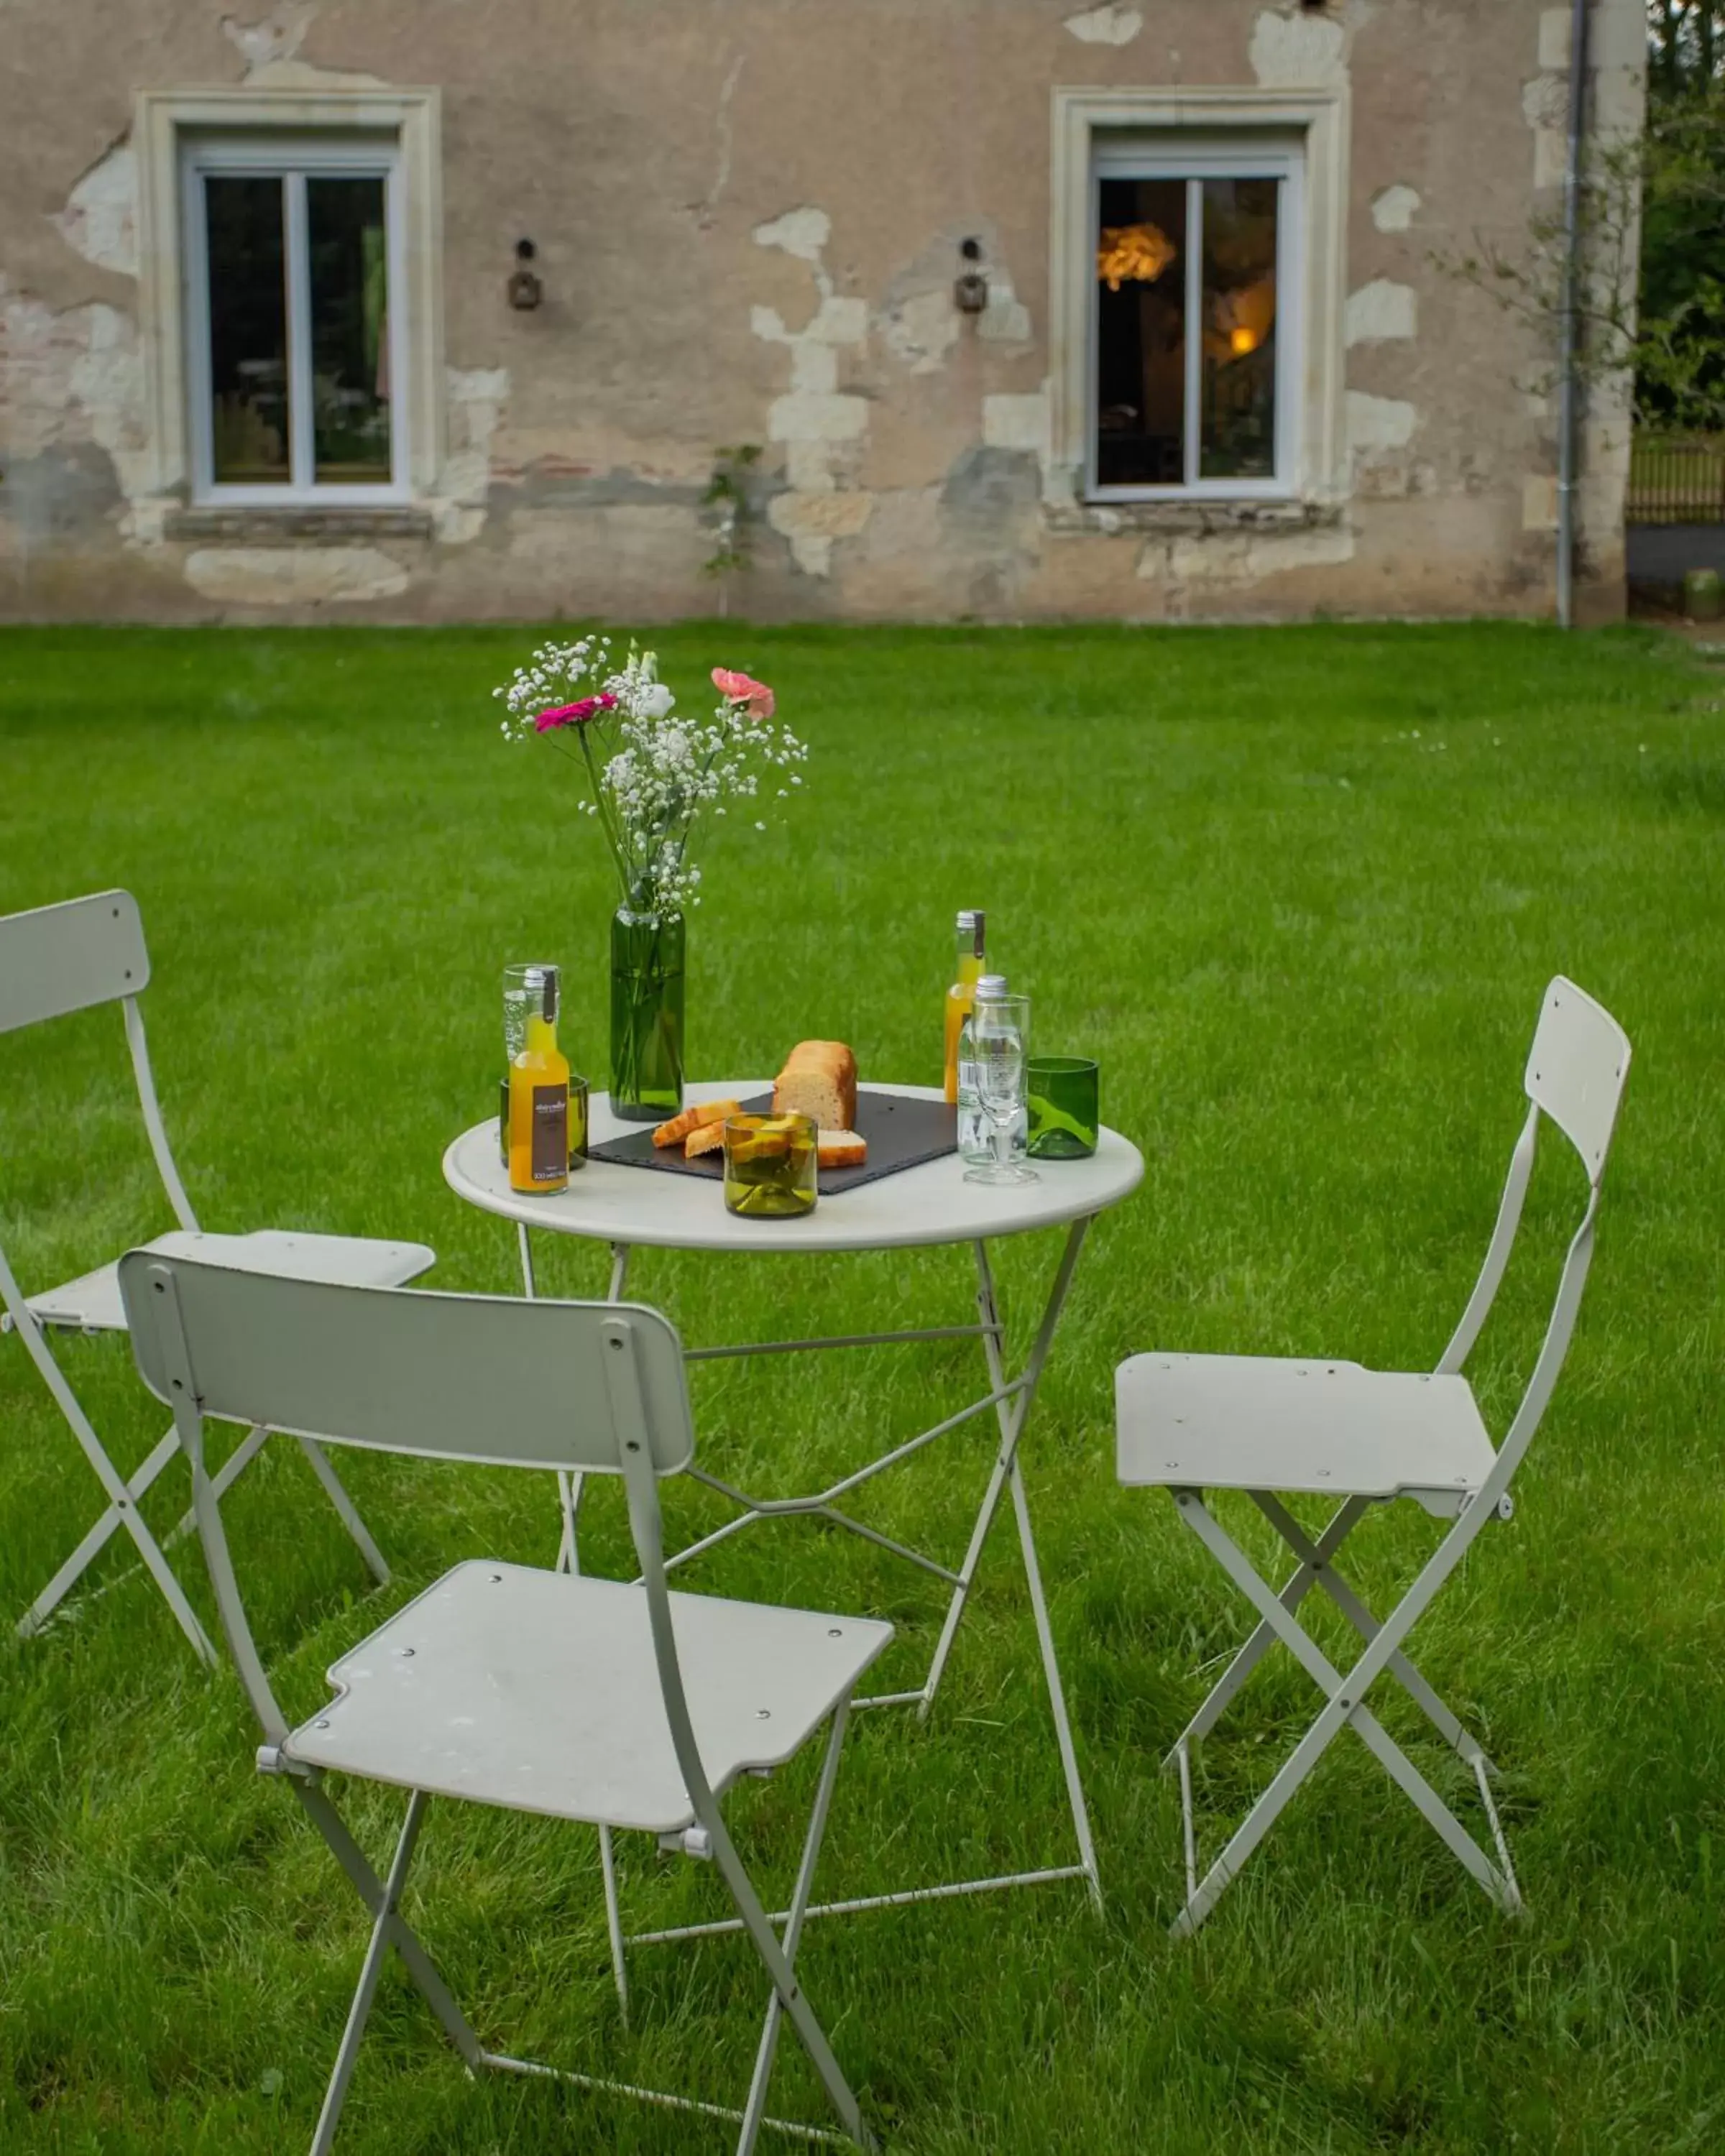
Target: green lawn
[1300, 890]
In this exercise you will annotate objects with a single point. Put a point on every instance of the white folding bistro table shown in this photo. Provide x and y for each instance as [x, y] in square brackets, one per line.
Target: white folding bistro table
[929, 1205]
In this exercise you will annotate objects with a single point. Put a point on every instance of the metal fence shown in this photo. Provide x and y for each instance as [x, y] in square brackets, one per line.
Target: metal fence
[1673, 482]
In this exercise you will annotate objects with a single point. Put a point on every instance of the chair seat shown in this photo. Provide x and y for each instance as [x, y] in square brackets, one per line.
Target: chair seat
[539, 1690]
[1249, 1422]
[91, 1302]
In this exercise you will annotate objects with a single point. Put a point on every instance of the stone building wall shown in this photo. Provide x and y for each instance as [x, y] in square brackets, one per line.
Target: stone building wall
[748, 218]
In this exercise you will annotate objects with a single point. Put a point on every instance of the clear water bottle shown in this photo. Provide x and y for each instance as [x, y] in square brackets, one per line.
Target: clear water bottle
[976, 1139]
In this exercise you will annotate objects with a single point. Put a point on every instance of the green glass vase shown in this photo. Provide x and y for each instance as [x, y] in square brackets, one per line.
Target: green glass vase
[646, 1016]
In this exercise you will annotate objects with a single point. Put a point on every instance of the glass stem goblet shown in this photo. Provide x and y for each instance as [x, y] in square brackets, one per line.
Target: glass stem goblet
[999, 1027]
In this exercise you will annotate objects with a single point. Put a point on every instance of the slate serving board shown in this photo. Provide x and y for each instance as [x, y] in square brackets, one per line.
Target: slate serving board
[901, 1133]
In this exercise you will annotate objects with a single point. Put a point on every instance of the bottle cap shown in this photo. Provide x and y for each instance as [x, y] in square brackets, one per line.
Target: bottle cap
[972, 922]
[991, 987]
[545, 983]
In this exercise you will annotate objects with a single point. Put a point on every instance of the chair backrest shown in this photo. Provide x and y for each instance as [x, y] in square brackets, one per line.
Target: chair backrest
[1575, 1075]
[71, 957]
[476, 1377]
[66, 957]
[594, 1387]
[1576, 1071]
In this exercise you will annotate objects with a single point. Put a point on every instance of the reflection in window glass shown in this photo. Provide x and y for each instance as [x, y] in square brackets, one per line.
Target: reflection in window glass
[1140, 333]
[248, 331]
[349, 264]
[1237, 381]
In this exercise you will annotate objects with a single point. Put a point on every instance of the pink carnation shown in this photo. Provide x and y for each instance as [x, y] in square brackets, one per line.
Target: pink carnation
[574, 715]
[756, 698]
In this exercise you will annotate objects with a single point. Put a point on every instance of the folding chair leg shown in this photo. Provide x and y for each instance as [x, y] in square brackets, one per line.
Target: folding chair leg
[369, 1973]
[96, 1542]
[119, 1492]
[242, 1456]
[790, 1993]
[1448, 1726]
[1344, 1705]
[420, 1967]
[348, 1512]
[754, 2108]
[1340, 1526]
[614, 1921]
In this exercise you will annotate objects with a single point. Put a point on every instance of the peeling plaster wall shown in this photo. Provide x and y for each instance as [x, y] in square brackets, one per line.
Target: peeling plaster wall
[748, 231]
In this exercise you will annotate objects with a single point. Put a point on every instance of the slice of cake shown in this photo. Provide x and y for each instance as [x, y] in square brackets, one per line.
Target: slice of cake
[818, 1080]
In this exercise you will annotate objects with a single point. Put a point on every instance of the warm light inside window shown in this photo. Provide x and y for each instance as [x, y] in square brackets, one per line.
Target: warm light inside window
[1135, 253]
[1240, 341]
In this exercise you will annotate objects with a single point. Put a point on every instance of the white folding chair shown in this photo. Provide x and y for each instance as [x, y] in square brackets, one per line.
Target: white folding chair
[580, 1698]
[1269, 1427]
[70, 957]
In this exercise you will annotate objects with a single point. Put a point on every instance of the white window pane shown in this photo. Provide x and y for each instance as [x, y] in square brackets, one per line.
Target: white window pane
[1237, 378]
[348, 264]
[1140, 333]
[248, 331]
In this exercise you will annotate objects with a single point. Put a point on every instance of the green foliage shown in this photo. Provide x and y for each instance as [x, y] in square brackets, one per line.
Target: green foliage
[1651, 298]
[727, 496]
[1298, 891]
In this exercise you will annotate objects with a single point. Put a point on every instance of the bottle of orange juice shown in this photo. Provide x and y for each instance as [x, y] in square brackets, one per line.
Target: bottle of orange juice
[961, 994]
[539, 1096]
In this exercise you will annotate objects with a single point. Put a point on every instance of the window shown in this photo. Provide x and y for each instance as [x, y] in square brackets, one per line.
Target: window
[293, 251]
[1196, 274]
[1194, 320]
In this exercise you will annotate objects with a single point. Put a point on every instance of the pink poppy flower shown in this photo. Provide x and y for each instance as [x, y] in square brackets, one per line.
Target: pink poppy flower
[574, 715]
[756, 698]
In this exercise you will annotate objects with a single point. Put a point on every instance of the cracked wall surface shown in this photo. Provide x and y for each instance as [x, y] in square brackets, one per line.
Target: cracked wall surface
[746, 235]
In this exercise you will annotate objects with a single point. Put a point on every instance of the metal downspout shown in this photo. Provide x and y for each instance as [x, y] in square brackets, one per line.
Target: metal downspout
[1569, 390]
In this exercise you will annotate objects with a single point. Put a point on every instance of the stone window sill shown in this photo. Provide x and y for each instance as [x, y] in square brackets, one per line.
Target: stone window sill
[298, 520]
[1112, 517]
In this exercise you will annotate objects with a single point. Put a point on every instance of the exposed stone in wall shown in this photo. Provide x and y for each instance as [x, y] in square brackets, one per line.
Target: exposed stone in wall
[71, 379]
[819, 428]
[1106, 26]
[477, 398]
[1381, 312]
[1017, 422]
[1394, 208]
[1293, 48]
[278, 36]
[294, 576]
[101, 218]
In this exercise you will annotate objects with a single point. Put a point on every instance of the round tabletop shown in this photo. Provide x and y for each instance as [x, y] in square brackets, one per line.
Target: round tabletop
[926, 1204]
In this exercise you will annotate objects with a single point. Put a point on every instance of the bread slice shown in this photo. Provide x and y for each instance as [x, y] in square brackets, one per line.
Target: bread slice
[818, 1080]
[841, 1149]
[694, 1118]
[709, 1138]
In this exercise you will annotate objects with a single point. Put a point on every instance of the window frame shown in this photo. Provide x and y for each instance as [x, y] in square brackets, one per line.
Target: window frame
[292, 159]
[163, 120]
[1193, 156]
[1081, 117]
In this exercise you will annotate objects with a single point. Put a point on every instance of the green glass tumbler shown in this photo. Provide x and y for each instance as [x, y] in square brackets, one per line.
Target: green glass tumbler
[1063, 1103]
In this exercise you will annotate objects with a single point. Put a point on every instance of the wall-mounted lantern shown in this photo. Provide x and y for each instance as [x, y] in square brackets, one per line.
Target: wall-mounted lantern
[970, 288]
[524, 289]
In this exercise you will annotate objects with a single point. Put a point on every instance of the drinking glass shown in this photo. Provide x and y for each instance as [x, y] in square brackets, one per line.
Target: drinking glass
[1064, 1118]
[770, 1165]
[998, 1027]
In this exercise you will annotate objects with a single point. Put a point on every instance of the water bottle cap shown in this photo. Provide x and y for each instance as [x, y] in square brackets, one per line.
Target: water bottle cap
[991, 987]
[545, 983]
